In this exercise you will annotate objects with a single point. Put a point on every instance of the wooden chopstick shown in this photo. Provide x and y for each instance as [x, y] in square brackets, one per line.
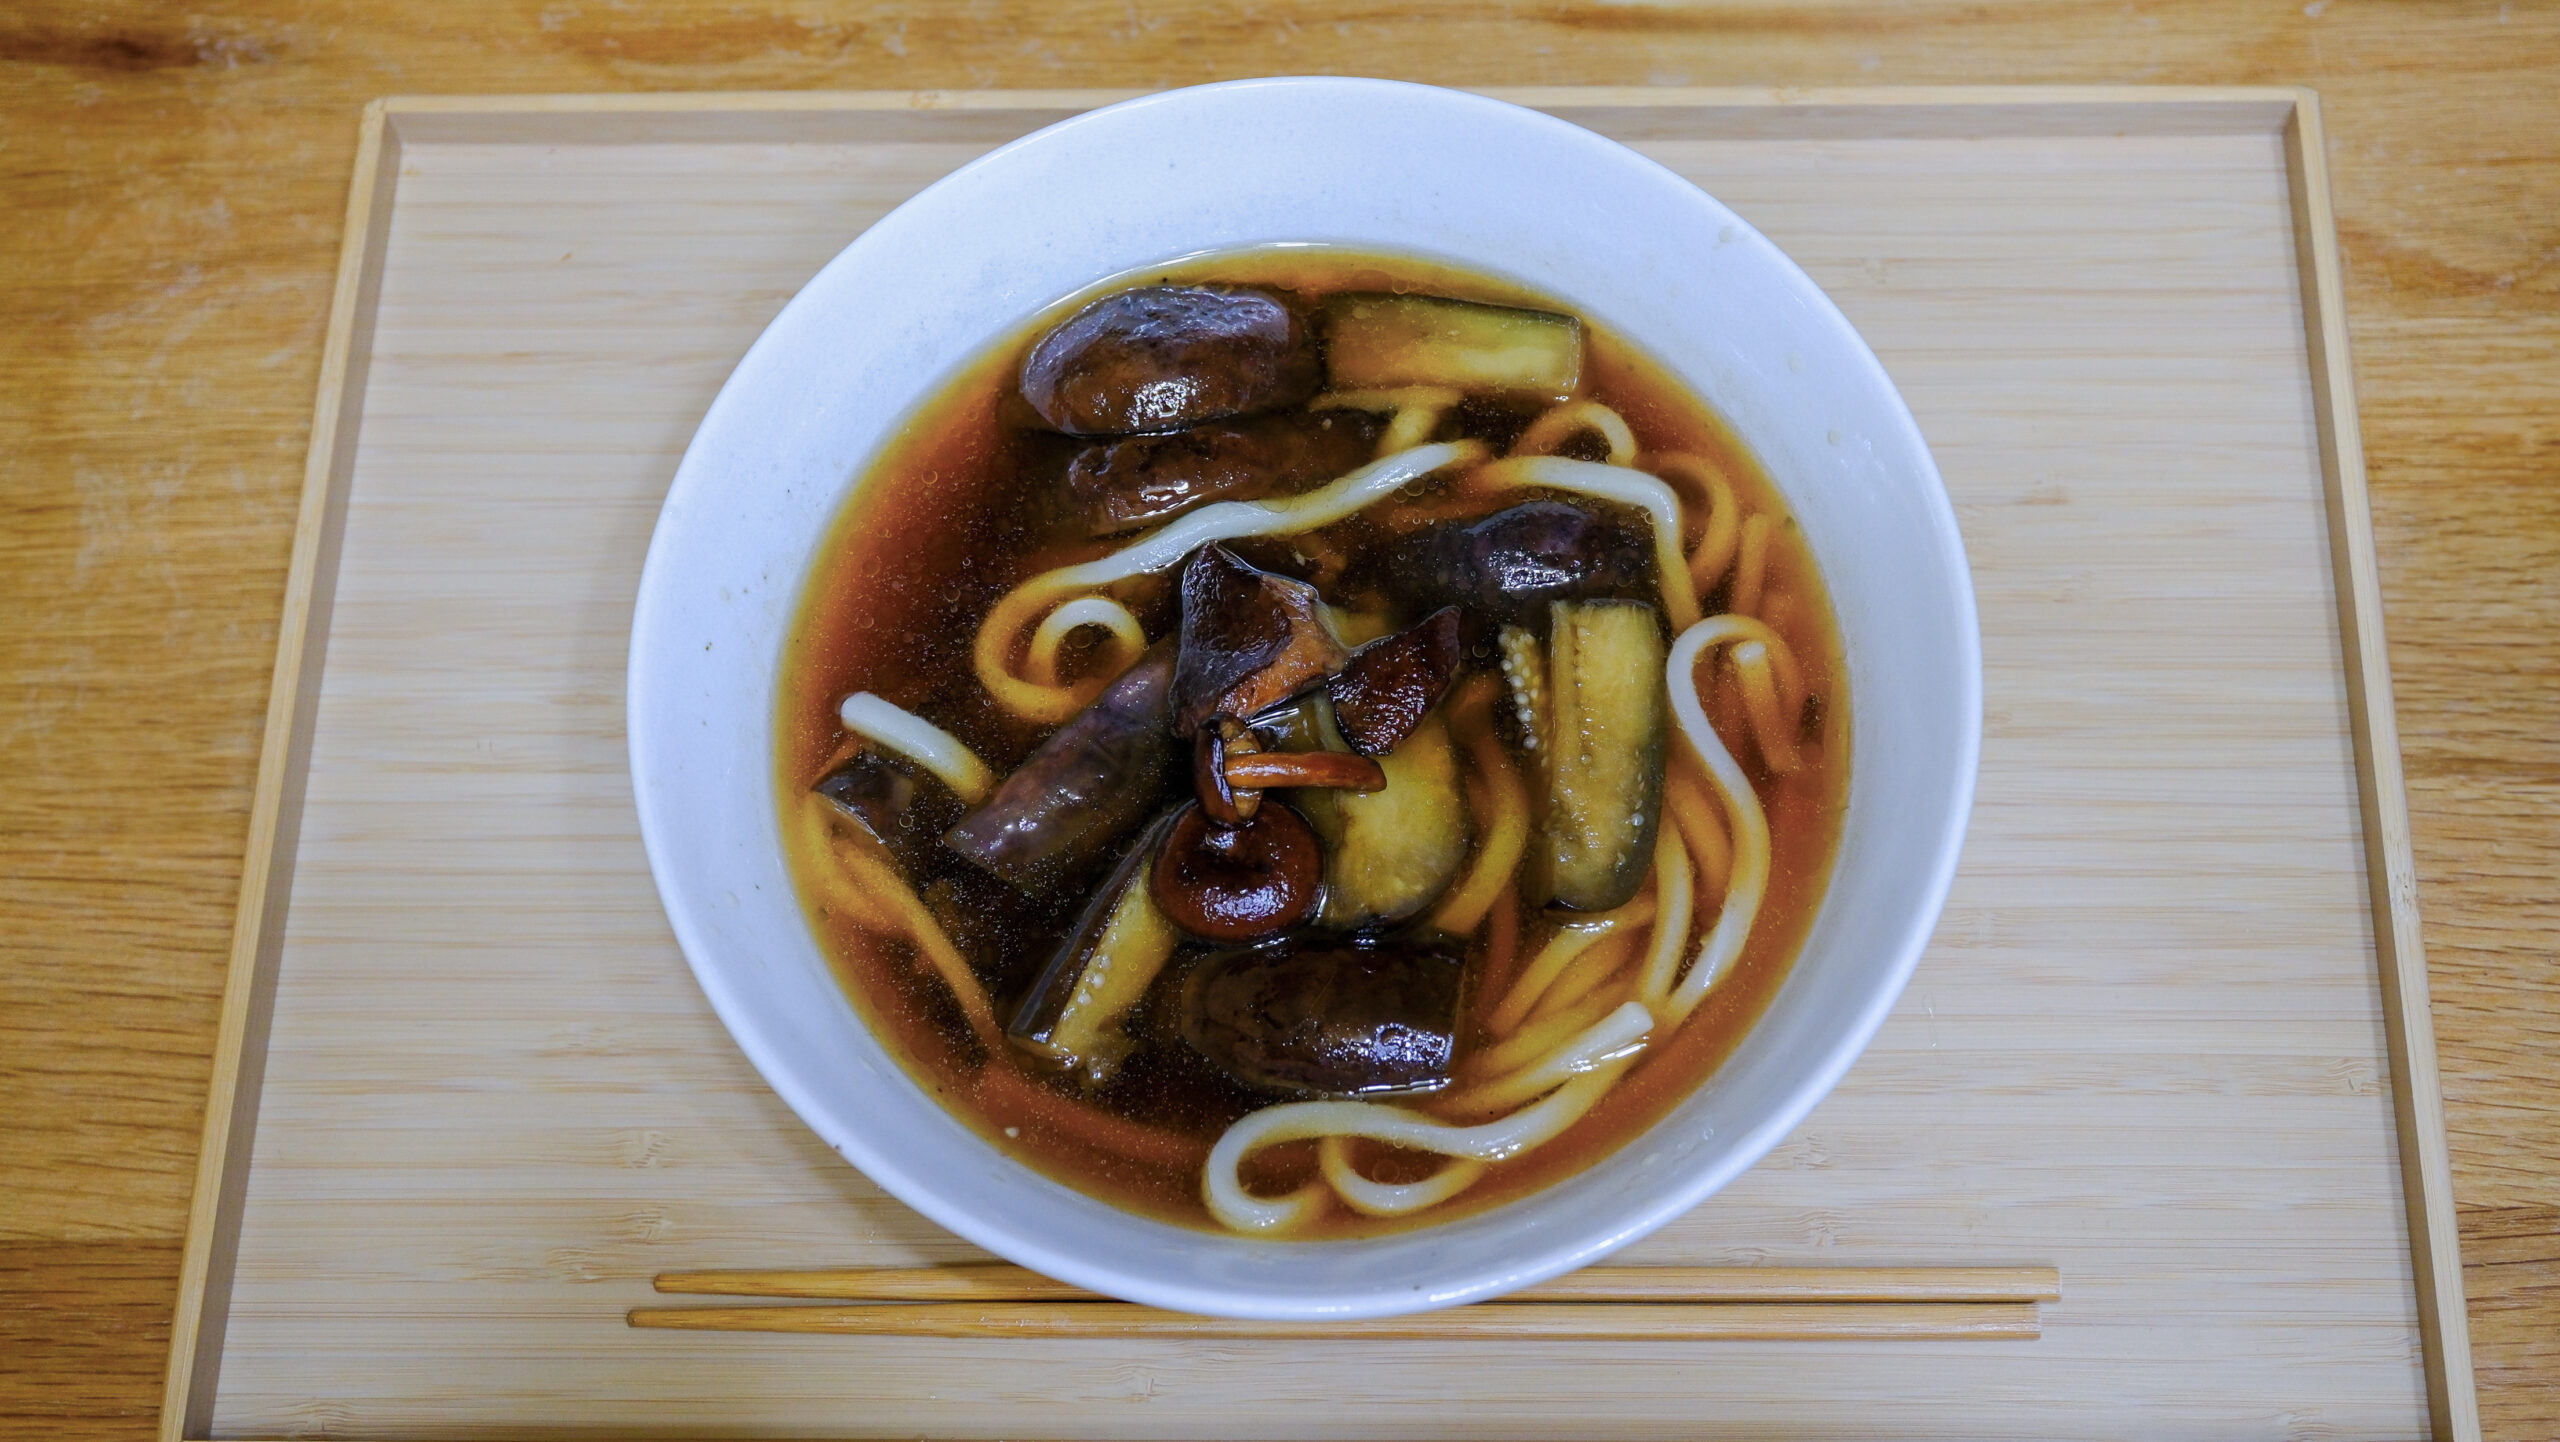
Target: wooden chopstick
[1553, 1321]
[1601, 1303]
[1619, 1285]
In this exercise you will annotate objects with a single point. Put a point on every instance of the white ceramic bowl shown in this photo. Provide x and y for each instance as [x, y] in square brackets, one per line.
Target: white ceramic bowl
[1369, 165]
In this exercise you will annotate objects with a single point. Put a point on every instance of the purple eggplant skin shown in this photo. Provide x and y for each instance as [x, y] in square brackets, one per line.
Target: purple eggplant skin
[1382, 693]
[1326, 1017]
[1042, 1007]
[1506, 568]
[1096, 778]
[902, 805]
[1122, 485]
[1165, 358]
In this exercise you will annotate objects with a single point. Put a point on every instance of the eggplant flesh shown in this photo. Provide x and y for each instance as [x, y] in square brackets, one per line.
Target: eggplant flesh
[904, 807]
[1163, 358]
[1074, 1013]
[1509, 567]
[1604, 735]
[1390, 853]
[1096, 779]
[1327, 1019]
[1121, 485]
[1375, 342]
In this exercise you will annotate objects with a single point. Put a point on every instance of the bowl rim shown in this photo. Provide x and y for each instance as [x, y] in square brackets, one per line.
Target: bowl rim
[722, 984]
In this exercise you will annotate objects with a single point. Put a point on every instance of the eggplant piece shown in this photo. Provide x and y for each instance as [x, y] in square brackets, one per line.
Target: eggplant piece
[1604, 735]
[902, 805]
[1507, 568]
[1377, 342]
[1235, 884]
[1074, 1012]
[1389, 685]
[1097, 777]
[1003, 932]
[1250, 640]
[1391, 852]
[1136, 482]
[1329, 1019]
[1162, 358]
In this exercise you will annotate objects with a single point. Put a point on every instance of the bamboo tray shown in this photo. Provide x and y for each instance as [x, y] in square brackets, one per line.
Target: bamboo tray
[2171, 1037]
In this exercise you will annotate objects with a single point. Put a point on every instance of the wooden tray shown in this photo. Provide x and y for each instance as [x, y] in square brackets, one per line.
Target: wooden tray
[2172, 1035]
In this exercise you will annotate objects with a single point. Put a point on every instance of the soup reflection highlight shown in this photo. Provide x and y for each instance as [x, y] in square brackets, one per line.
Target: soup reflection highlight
[1312, 743]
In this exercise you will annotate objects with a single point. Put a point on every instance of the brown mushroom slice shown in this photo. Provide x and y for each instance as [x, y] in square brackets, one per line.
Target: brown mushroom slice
[1327, 1018]
[1234, 884]
[1121, 485]
[1086, 788]
[1250, 640]
[1162, 358]
[1389, 685]
[1074, 1012]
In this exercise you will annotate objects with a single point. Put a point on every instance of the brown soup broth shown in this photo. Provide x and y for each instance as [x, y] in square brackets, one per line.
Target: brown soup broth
[957, 510]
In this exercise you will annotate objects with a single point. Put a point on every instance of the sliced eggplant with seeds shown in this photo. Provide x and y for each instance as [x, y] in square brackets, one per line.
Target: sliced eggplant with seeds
[1391, 852]
[1073, 1015]
[1380, 342]
[1604, 734]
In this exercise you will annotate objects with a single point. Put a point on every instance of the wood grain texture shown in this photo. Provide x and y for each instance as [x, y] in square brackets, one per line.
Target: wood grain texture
[175, 181]
[2146, 1044]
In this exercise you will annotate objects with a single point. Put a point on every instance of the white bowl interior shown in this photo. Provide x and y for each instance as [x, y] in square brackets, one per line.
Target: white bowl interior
[1372, 166]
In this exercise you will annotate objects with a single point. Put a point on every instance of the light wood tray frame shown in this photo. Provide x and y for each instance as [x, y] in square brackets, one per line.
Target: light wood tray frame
[390, 125]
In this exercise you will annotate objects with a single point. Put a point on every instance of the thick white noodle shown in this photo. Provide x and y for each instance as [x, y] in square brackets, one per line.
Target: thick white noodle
[1627, 487]
[1417, 411]
[920, 741]
[1722, 524]
[1671, 880]
[1750, 828]
[1615, 1036]
[1751, 564]
[1564, 422]
[1162, 548]
[1571, 940]
[1772, 726]
[1223, 1190]
[1040, 662]
[1391, 1199]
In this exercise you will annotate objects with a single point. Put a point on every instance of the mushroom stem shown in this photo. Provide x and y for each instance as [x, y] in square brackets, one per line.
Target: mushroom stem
[1335, 770]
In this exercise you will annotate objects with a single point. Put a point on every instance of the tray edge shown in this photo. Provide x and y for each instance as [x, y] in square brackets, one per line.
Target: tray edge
[2293, 113]
[2391, 873]
[275, 809]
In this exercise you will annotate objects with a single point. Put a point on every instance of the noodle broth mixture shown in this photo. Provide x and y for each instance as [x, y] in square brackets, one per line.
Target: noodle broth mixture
[1304, 744]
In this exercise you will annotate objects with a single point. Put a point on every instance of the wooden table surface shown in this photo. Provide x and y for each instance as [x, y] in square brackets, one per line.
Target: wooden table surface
[172, 182]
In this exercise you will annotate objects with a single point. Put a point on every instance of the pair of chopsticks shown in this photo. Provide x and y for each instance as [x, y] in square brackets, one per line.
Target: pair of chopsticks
[1601, 1303]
